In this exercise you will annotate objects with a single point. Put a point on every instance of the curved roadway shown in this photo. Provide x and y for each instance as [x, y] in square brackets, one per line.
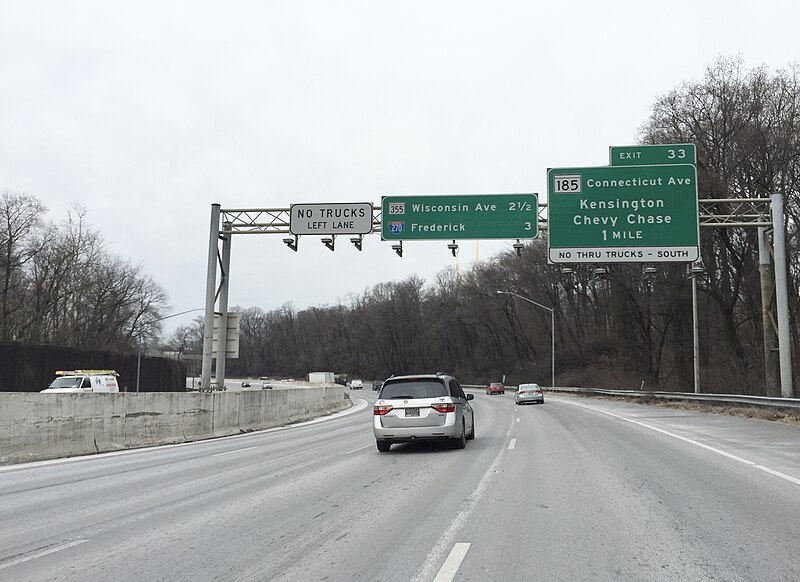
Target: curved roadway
[576, 489]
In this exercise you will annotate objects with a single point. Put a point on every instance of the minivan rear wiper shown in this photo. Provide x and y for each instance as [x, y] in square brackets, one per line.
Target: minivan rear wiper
[398, 397]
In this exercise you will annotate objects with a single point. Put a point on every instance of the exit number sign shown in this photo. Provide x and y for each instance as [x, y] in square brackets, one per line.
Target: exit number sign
[652, 155]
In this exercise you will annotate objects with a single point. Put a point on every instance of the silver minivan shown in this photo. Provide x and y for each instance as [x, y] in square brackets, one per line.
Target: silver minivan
[422, 407]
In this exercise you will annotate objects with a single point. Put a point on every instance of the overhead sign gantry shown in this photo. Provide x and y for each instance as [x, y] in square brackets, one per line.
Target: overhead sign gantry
[469, 217]
[640, 225]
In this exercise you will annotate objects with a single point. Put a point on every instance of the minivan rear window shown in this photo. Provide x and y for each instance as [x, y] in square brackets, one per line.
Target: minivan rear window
[413, 389]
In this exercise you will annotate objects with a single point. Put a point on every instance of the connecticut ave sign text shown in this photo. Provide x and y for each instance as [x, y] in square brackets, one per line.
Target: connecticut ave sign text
[462, 216]
[637, 214]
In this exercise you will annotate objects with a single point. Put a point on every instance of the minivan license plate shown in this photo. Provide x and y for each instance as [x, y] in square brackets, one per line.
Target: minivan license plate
[412, 411]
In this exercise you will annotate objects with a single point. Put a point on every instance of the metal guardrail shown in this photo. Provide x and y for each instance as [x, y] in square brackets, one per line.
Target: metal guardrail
[714, 399]
[792, 404]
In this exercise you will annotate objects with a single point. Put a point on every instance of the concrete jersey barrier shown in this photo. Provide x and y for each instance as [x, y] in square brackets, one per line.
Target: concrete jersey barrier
[46, 426]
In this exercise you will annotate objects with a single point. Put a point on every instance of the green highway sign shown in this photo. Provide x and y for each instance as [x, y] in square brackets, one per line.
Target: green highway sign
[651, 155]
[460, 216]
[637, 214]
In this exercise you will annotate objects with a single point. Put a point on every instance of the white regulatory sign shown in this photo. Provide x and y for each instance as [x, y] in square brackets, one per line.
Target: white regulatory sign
[337, 218]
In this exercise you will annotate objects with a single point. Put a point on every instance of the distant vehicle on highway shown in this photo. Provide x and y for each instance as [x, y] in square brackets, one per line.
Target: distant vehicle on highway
[245, 383]
[529, 393]
[320, 377]
[496, 388]
[266, 385]
[429, 406]
[376, 385]
[84, 381]
[356, 385]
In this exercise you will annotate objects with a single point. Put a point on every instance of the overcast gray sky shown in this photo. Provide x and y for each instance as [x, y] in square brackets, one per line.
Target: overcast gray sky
[147, 112]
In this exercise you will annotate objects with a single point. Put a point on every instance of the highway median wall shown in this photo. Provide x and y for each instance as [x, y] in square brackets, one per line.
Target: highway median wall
[47, 426]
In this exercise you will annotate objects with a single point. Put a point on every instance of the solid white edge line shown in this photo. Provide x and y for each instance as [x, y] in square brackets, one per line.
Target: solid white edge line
[452, 563]
[39, 554]
[741, 460]
[784, 476]
[512, 444]
[231, 452]
[361, 405]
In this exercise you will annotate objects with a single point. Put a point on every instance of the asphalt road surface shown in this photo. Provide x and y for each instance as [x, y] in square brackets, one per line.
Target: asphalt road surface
[574, 490]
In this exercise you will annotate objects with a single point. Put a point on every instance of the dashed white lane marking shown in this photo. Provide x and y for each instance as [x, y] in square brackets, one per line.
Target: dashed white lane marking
[40, 553]
[741, 460]
[517, 420]
[512, 444]
[358, 449]
[231, 452]
[451, 564]
[446, 538]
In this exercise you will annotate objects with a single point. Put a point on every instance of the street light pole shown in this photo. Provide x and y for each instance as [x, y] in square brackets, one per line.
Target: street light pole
[139, 357]
[694, 270]
[695, 340]
[552, 332]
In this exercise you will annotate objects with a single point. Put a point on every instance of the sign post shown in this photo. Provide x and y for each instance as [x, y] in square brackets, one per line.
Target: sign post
[467, 216]
[636, 214]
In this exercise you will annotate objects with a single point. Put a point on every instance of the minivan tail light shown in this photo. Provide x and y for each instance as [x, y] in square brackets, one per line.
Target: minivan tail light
[444, 407]
[381, 409]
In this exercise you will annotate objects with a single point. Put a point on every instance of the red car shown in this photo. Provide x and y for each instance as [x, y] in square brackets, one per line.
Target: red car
[496, 388]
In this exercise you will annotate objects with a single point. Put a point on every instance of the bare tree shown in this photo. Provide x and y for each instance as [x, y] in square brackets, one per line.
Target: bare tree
[746, 127]
[62, 287]
[20, 240]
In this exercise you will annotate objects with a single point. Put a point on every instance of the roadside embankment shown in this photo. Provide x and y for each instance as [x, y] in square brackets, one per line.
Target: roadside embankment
[46, 426]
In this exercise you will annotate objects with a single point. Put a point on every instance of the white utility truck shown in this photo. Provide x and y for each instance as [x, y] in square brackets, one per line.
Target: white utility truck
[76, 381]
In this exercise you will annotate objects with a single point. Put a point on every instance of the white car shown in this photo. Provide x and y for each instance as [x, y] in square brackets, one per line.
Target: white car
[529, 393]
[356, 385]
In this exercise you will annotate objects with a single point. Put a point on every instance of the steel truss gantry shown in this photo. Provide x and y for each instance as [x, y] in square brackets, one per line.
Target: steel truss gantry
[276, 220]
[719, 212]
